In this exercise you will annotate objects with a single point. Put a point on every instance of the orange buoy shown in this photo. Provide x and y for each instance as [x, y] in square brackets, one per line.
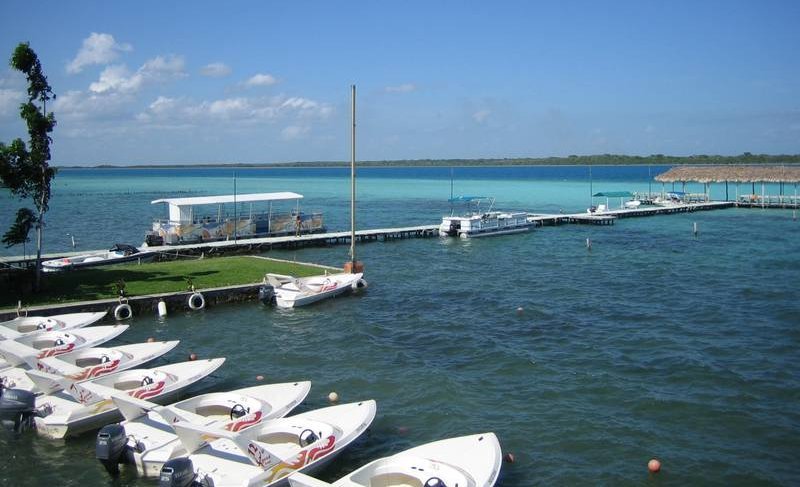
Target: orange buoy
[192, 356]
[509, 457]
[653, 466]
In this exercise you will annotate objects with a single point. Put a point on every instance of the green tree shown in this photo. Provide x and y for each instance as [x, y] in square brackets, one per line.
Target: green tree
[26, 172]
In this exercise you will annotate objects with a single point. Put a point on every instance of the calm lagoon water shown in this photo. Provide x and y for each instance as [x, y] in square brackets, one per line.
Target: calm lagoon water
[656, 343]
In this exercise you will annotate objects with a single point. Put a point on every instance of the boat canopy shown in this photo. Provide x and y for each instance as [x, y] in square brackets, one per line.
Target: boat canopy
[467, 198]
[613, 194]
[180, 208]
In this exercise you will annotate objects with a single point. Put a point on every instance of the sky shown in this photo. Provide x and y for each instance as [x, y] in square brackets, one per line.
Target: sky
[154, 82]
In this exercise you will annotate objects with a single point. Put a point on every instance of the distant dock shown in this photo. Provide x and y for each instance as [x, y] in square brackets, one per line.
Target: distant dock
[608, 217]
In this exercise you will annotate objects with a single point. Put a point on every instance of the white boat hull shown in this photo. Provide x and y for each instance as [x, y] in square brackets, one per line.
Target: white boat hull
[223, 463]
[68, 417]
[56, 343]
[159, 443]
[305, 291]
[26, 325]
[473, 460]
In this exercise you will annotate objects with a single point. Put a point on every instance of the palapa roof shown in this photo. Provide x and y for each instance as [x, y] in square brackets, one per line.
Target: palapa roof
[733, 174]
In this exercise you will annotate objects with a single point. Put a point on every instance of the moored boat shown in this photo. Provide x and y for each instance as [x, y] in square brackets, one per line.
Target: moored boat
[118, 254]
[477, 223]
[146, 439]
[472, 461]
[54, 343]
[38, 324]
[266, 454]
[81, 364]
[83, 406]
[291, 292]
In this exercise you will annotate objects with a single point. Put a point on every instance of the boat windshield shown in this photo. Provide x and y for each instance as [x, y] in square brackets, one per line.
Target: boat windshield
[475, 205]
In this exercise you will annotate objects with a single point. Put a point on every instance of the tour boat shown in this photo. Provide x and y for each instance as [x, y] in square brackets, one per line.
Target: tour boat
[37, 324]
[118, 254]
[186, 226]
[54, 343]
[146, 439]
[78, 365]
[266, 454]
[469, 461]
[83, 406]
[291, 292]
[477, 223]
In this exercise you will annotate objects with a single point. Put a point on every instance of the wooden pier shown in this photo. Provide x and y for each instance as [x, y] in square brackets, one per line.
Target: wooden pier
[608, 217]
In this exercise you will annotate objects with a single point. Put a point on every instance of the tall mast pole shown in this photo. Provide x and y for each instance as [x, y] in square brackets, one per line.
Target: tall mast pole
[353, 184]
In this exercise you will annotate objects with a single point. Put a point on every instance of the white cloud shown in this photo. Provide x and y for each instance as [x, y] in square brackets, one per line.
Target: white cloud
[79, 105]
[261, 80]
[293, 132]
[481, 115]
[237, 110]
[117, 78]
[404, 88]
[215, 70]
[10, 100]
[96, 49]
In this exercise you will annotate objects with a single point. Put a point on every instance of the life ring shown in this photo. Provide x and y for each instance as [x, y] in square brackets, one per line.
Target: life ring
[197, 301]
[123, 312]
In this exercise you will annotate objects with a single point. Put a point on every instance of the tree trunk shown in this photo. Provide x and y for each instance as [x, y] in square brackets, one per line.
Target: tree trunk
[39, 230]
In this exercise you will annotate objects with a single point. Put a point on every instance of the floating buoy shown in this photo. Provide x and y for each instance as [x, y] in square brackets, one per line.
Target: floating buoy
[653, 466]
[589, 243]
[150, 340]
[197, 301]
[192, 356]
[509, 458]
[123, 312]
[694, 228]
[520, 310]
[333, 397]
[259, 377]
[162, 308]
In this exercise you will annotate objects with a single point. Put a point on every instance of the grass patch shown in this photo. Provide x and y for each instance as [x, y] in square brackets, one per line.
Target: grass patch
[151, 278]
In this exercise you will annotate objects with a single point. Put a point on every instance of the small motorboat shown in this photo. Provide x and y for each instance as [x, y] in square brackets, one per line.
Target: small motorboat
[146, 438]
[118, 254]
[266, 454]
[291, 292]
[632, 204]
[79, 365]
[38, 324]
[54, 343]
[84, 406]
[472, 461]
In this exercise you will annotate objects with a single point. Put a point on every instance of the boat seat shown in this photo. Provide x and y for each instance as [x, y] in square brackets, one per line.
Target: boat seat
[394, 479]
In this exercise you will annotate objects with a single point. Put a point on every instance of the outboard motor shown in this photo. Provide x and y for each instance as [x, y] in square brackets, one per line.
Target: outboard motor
[178, 472]
[266, 294]
[111, 448]
[17, 408]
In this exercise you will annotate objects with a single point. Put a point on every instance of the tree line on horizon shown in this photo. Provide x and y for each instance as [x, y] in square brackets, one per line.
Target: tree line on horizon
[746, 158]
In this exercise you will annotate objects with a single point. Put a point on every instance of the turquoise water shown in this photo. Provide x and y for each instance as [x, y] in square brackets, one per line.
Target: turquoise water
[655, 343]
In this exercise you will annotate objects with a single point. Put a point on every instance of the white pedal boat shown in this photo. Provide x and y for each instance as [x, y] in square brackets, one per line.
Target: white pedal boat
[79, 365]
[84, 406]
[467, 461]
[146, 438]
[38, 324]
[118, 254]
[55, 343]
[291, 292]
[266, 454]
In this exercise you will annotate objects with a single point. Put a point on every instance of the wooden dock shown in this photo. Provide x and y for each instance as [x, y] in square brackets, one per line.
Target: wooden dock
[608, 217]
[260, 244]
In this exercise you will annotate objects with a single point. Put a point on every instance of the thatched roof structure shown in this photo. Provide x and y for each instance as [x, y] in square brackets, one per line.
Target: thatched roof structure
[733, 174]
